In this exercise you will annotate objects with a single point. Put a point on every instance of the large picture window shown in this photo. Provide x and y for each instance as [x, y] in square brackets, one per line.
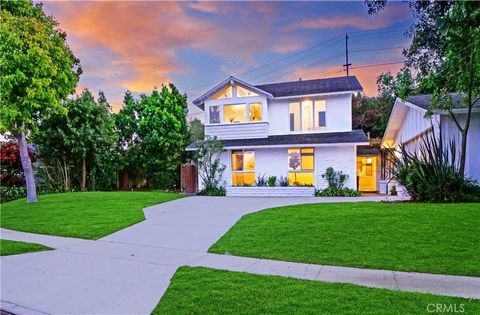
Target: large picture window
[307, 115]
[243, 168]
[234, 113]
[301, 166]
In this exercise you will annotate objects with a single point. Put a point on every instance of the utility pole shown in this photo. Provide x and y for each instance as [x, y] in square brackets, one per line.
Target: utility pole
[346, 65]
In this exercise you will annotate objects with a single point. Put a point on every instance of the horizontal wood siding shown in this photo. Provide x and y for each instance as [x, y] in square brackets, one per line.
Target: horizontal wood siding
[238, 131]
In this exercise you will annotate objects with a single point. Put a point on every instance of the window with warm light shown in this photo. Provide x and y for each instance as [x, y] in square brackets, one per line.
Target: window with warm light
[226, 93]
[255, 111]
[214, 114]
[307, 115]
[243, 168]
[234, 113]
[301, 166]
[243, 92]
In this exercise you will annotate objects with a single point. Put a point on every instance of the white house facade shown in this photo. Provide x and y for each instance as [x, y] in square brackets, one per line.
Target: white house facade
[408, 124]
[293, 129]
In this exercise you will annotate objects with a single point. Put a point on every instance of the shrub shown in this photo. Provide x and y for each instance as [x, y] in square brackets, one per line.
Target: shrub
[213, 191]
[334, 179]
[431, 174]
[335, 192]
[393, 190]
[272, 181]
[210, 168]
[12, 193]
[283, 181]
[261, 180]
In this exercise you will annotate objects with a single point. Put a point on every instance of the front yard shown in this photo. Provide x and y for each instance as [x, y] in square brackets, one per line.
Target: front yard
[431, 238]
[208, 291]
[8, 247]
[89, 215]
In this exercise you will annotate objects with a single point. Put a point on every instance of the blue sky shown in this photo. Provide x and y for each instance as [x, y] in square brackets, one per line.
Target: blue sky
[138, 45]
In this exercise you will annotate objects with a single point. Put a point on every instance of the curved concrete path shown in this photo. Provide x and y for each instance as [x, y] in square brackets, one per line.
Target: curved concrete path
[128, 271]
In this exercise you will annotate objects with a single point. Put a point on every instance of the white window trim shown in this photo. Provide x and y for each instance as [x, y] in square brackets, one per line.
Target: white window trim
[314, 129]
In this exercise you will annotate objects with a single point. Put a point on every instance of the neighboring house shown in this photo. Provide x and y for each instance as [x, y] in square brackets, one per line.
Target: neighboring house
[408, 125]
[291, 129]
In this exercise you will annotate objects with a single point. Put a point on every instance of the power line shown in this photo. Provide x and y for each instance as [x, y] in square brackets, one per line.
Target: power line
[378, 64]
[376, 49]
[362, 34]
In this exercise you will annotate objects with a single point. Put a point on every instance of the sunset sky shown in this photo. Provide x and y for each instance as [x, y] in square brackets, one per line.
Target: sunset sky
[138, 45]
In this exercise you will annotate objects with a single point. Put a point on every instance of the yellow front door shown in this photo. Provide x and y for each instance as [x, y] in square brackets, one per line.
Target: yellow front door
[367, 173]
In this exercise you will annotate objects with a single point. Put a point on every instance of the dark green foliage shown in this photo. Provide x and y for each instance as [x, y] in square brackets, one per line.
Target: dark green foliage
[153, 136]
[261, 180]
[213, 191]
[335, 192]
[210, 169]
[272, 181]
[393, 190]
[8, 193]
[86, 132]
[196, 129]
[336, 180]
[432, 174]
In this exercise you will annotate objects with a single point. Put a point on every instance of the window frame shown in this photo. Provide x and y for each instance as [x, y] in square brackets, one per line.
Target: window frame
[301, 170]
[243, 171]
[314, 118]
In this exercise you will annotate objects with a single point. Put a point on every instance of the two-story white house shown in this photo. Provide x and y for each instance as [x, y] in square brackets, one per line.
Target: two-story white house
[291, 129]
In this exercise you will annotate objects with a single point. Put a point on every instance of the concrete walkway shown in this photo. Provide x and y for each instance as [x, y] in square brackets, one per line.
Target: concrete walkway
[127, 272]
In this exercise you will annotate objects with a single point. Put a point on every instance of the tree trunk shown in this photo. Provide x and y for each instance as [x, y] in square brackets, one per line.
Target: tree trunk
[84, 175]
[463, 152]
[27, 168]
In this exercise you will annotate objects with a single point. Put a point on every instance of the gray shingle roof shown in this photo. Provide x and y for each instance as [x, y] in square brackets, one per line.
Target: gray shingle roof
[354, 136]
[423, 101]
[307, 87]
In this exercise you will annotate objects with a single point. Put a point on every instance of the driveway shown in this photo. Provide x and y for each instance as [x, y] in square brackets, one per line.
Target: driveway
[126, 272]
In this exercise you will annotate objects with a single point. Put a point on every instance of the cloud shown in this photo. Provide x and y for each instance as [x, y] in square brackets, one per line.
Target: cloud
[390, 15]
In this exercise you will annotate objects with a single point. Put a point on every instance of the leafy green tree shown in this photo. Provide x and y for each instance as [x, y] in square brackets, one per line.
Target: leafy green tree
[196, 130]
[445, 53]
[37, 71]
[210, 168]
[163, 133]
[84, 139]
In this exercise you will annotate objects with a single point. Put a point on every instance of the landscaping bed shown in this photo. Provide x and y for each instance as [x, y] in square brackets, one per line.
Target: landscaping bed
[430, 238]
[89, 215]
[208, 291]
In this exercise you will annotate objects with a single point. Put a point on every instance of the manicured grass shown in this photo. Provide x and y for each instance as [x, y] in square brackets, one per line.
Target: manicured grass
[89, 215]
[13, 247]
[208, 291]
[432, 238]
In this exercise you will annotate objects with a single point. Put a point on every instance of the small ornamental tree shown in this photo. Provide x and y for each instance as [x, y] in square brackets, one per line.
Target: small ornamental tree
[37, 72]
[294, 163]
[210, 168]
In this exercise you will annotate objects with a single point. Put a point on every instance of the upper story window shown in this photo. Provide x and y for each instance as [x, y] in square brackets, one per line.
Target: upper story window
[243, 92]
[214, 114]
[307, 115]
[234, 113]
[255, 111]
[226, 93]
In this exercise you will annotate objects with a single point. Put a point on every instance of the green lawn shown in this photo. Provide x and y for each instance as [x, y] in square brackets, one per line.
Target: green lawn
[208, 291]
[89, 215]
[432, 238]
[13, 247]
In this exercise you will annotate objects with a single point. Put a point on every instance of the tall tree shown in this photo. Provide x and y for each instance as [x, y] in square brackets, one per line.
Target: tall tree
[37, 71]
[445, 53]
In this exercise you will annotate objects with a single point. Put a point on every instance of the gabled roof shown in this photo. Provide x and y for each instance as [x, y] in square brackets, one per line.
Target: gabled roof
[354, 136]
[201, 99]
[423, 101]
[309, 87]
[290, 89]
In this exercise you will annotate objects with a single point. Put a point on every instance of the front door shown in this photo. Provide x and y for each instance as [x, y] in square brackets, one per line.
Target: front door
[367, 173]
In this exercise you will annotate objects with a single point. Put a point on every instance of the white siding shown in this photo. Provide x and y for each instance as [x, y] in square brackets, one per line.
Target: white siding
[338, 114]
[414, 124]
[238, 131]
[341, 158]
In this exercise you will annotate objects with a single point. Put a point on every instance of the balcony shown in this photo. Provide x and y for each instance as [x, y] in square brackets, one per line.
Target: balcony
[248, 130]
